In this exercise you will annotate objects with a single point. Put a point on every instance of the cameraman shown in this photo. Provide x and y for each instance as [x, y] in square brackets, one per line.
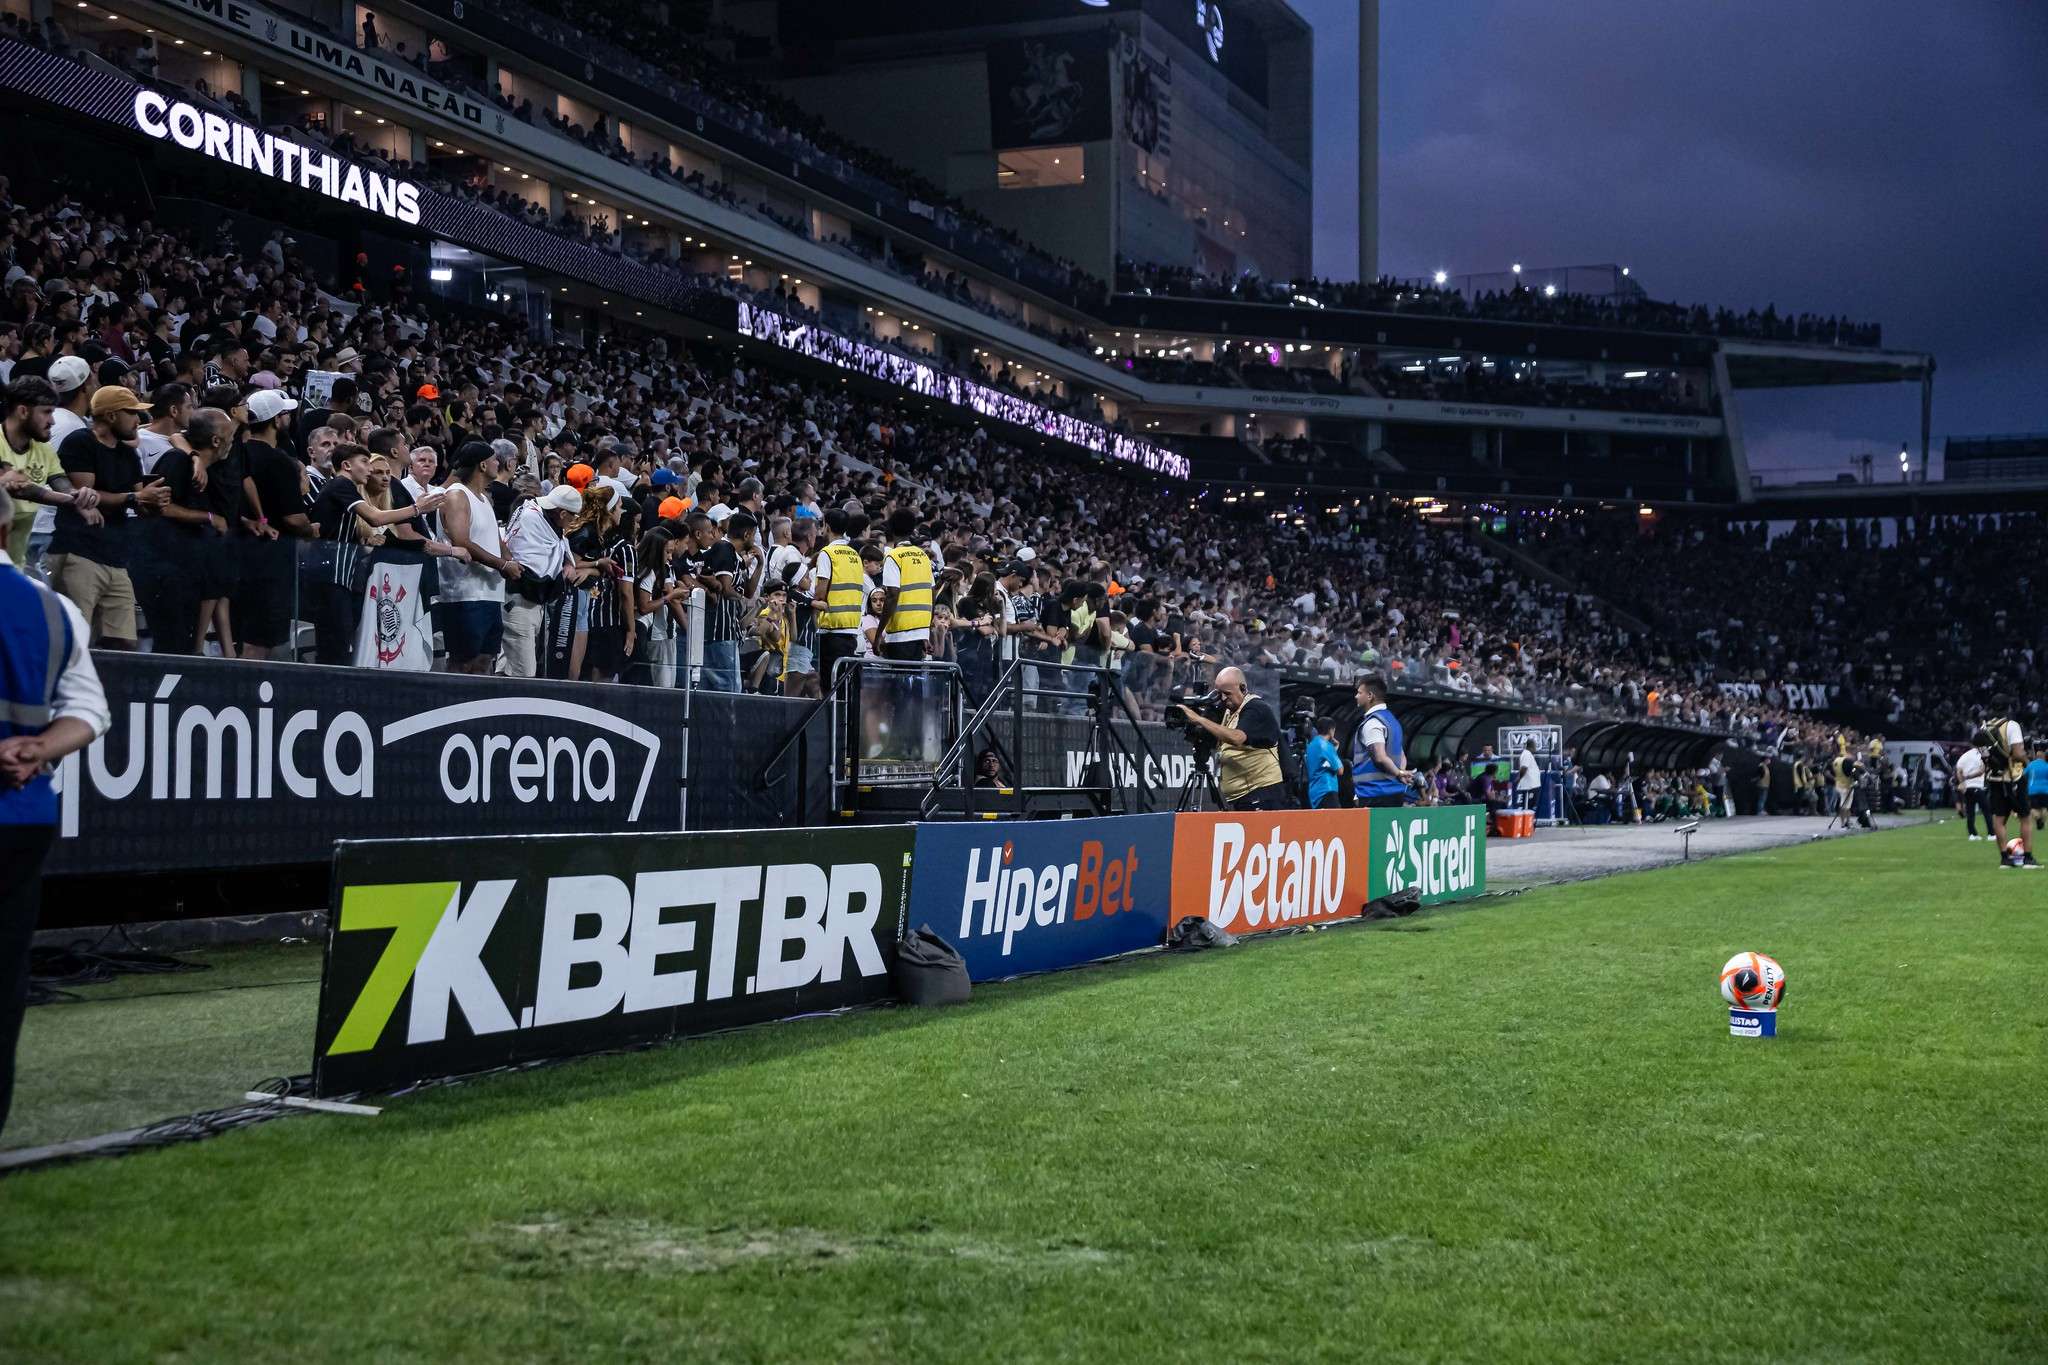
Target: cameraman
[1247, 746]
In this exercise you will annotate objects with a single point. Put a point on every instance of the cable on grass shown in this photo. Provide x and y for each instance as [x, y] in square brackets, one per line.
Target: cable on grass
[84, 963]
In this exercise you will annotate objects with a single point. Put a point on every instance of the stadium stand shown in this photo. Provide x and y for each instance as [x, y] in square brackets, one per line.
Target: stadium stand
[1388, 295]
[1188, 577]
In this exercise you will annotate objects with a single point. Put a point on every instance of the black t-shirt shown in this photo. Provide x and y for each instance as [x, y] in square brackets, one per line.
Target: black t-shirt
[36, 365]
[276, 476]
[177, 468]
[334, 511]
[1260, 723]
[114, 469]
[721, 615]
[331, 509]
[503, 499]
[224, 487]
[1142, 635]
[401, 496]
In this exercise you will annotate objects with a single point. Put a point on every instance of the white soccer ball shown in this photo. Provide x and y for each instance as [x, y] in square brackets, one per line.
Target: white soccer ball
[1752, 981]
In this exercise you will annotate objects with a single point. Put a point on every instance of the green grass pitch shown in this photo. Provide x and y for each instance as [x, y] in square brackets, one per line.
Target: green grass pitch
[1517, 1131]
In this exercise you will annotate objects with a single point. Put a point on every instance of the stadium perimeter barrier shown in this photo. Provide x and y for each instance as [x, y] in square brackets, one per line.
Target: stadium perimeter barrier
[229, 782]
[451, 956]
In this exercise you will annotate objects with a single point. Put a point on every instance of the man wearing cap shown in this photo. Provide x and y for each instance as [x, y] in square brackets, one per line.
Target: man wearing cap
[536, 542]
[274, 520]
[90, 547]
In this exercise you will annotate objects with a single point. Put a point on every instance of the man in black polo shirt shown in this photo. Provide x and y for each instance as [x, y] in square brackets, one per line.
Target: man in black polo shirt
[89, 549]
[274, 522]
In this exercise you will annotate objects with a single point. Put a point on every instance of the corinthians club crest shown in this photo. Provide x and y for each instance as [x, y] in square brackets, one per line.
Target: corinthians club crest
[385, 598]
[394, 630]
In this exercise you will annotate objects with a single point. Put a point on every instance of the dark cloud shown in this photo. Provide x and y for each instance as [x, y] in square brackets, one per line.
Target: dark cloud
[1882, 159]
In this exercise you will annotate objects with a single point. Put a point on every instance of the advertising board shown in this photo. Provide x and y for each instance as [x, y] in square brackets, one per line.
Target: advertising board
[1250, 870]
[1439, 850]
[450, 956]
[1035, 895]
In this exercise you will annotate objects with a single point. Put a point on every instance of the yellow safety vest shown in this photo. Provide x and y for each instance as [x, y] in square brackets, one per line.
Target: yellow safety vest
[847, 594]
[914, 597]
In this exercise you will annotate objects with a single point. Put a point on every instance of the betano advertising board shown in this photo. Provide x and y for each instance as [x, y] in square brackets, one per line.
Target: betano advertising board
[1245, 871]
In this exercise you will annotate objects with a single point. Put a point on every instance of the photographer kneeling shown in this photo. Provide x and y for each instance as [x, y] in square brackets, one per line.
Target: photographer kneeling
[1247, 746]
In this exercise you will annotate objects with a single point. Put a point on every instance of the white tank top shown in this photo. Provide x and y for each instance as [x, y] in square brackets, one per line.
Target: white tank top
[475, 582]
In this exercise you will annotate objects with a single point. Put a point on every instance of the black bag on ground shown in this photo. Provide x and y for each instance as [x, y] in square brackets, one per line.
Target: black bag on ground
[1194, 933]
[1406, 901]
[929, 971]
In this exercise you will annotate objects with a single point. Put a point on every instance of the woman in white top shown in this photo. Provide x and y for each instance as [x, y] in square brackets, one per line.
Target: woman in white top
[871, 626]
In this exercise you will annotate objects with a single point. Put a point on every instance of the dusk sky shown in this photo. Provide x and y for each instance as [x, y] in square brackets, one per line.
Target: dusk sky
[1886, 159]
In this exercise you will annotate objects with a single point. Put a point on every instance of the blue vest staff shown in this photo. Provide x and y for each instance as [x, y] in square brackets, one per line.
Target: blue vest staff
[1379, 754]
[51, 705]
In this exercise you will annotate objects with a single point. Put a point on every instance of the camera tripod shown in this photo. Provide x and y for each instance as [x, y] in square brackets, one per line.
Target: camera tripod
[1201, 777]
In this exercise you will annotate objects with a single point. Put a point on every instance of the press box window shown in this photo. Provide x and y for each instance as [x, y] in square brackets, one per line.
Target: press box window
[1037, 168]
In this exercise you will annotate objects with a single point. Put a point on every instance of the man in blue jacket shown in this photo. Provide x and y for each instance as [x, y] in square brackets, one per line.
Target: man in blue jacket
[51, 704]
[1379, 758]
[2037, 782]
[1323, 766]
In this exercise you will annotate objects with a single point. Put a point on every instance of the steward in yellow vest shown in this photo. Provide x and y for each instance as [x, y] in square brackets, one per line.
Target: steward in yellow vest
[907, 592]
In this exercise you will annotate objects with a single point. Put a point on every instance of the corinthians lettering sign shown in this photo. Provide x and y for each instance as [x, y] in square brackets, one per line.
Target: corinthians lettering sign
[211, 764]
[250, 149]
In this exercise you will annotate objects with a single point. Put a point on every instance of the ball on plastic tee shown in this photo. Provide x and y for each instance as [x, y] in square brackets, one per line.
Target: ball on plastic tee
[1751, 981]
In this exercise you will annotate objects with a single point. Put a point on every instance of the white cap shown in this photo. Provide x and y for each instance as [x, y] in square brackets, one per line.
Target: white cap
[264, 404]
[67, 372]
[562, 498]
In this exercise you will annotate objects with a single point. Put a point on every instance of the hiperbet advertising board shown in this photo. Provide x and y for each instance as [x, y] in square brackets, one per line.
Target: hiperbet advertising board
[1439, 850]
[449, 956]
[1250, 870]
[1034, 895]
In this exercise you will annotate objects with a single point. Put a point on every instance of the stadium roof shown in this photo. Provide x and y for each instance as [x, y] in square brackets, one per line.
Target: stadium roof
[1791, 365]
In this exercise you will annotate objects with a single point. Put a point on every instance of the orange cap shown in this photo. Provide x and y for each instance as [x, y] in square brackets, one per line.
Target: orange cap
[578, 476]
[428, 393]
[671, 508]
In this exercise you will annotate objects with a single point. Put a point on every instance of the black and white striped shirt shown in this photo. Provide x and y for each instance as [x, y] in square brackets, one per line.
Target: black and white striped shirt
[335, 512]
[605, 612]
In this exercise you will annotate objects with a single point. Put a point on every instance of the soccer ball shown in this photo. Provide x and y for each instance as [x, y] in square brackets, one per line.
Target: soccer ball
[1752, 981]
[2014, 848]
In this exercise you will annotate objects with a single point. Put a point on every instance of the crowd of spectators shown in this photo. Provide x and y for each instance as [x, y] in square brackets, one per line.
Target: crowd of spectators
[159, 425]
[1906, 623]
[1470, 381]
[1519, 304]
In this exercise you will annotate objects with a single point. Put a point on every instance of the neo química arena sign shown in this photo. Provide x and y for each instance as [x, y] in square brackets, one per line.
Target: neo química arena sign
[237, 144]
